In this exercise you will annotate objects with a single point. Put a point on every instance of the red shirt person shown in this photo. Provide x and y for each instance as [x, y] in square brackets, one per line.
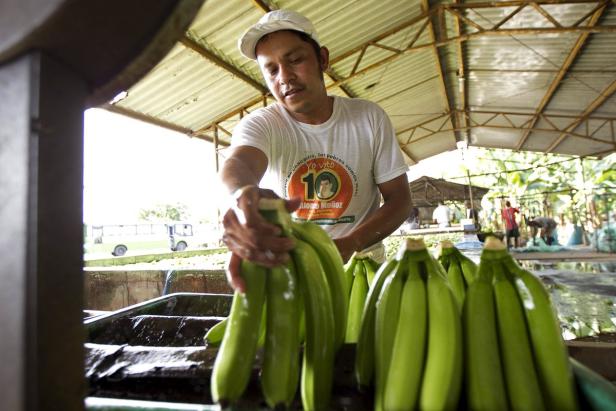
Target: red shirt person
[511, 225]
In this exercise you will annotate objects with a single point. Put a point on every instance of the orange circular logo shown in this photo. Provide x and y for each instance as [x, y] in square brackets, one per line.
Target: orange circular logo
[325, 187]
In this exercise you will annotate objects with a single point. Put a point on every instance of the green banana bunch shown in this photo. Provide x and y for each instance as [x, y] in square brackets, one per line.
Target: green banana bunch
[214, 335]
[549, 350]
[359, 291]
[268, 315]
[319, 346]
[332, 263]
[364, 353]
[235, 357]
[513, 340]
[418, 335]
[485, 386]
[280, 370]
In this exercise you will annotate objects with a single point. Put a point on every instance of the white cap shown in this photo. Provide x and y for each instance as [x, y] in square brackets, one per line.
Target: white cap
[274, 21]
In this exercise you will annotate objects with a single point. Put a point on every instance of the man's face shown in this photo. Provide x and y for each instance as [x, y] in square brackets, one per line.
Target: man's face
[325, 186]
[292, 72]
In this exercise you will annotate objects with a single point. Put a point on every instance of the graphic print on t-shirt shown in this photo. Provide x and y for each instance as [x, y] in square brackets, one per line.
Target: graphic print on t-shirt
[325, 185]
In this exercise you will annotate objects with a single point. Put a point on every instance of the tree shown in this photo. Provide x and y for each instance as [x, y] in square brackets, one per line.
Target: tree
[164, 212]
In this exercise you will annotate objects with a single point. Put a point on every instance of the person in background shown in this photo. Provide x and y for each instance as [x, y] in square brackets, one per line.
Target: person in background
[472, 214]
[442, 215]
[546, 227]
[413, 220]
[511, 225]
[305, 135]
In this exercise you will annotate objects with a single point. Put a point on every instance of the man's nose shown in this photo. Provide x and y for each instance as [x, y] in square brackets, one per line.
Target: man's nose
[286, 74]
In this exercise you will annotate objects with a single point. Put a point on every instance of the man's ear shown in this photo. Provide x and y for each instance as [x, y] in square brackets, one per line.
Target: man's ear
[324, 58]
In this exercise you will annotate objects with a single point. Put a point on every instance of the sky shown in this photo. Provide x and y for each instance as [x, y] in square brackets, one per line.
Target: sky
[130, 165]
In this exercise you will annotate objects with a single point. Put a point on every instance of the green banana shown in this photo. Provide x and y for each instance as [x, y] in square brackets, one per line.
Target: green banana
[371, 268]
[349, 269]
[280, 370]
[319, 347]
[549, 350]
[404, 378]
[386, 319]
[515, 350]
[485, 388]
[364, 353]
[449, 253]
[332, 263]
[235, 357]
[356, 303]
[456, 281]
[446, 250]
[214, 335]
[469, 269]
[442, 379]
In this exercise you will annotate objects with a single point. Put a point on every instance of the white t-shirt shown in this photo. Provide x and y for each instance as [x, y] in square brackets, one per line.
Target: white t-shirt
[334, 167]
[442, 215]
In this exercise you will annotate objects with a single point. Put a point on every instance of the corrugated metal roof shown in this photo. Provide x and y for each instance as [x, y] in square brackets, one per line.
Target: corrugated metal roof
[513, 94]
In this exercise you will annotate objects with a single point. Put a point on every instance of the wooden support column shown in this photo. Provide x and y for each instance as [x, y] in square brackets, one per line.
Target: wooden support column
[41, 246]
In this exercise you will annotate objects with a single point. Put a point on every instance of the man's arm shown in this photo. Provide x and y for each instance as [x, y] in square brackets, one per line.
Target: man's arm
[247, 234]
[395, 209]
[246, 166]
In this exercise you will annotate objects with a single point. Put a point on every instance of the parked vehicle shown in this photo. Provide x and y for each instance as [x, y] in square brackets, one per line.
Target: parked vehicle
[117, 239]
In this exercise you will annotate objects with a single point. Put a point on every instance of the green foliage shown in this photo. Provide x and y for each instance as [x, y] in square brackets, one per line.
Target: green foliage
[164, 212]
[539, 182]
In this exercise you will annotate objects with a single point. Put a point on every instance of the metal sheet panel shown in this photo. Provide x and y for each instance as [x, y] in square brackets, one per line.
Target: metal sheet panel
[503, 73]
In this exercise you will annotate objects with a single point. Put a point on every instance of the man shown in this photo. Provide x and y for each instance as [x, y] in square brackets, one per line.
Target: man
[326, 190]
[471, 213]
[441, 215]
[511, 225]
[546, 227]
[305, 134]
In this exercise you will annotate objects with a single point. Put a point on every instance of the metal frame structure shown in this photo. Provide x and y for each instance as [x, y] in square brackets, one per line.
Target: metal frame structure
[438, 27]
[438, 39]
[525, 122]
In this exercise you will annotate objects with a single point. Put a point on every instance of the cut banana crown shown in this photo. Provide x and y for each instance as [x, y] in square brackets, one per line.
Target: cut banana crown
[415, 244]
[493, 243]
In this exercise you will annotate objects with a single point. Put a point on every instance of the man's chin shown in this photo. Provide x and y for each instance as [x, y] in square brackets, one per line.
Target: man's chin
[296, 107]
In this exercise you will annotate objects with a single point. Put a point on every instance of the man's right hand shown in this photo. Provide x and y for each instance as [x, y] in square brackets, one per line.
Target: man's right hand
[249, 236]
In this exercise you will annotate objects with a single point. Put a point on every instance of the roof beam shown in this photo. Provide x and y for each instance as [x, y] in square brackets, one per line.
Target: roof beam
[495, 122]
[409, 155]
[605, 94]
[262, 5]
[577, 71]
[425, 6]
[562, 72]
[208, 55]
[114, 108]
[512, 3]
[462, 120]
